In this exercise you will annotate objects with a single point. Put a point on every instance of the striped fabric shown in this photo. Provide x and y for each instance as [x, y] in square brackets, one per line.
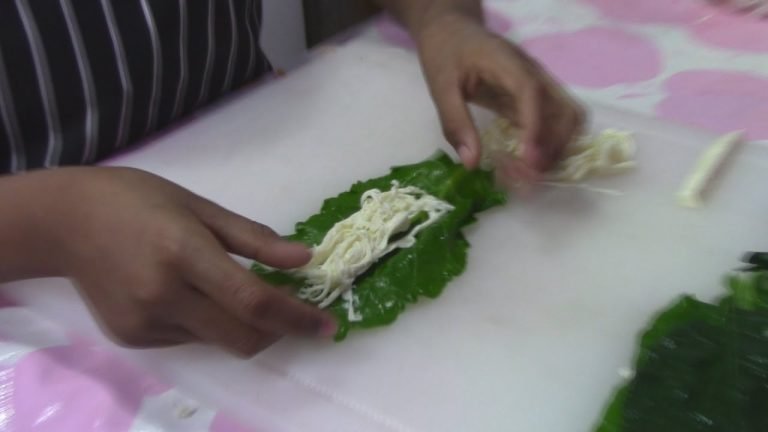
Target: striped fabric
[81, 79]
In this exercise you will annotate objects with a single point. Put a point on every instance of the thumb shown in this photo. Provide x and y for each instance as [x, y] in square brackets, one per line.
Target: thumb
[458, 127]
[250, 239]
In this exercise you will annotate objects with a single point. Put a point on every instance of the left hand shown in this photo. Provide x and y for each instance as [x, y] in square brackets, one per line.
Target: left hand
[463, 62]
[153, 259]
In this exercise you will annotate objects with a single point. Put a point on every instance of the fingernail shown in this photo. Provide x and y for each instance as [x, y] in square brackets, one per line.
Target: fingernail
[328, 328]
[300, 249]
[466, 154]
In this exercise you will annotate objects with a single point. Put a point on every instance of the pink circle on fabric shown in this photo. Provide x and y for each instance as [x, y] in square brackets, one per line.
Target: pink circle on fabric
[719, 101]
[597, 57]
[653, 11]
[733, 31]
[222, 423]
[392, 32]
[712, 24]
[77, 388]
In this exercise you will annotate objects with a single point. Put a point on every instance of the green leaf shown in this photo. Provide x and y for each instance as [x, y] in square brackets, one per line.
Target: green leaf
[700, 367]
[758, 259]
[613, 420]
[405, 275]
[684, 311]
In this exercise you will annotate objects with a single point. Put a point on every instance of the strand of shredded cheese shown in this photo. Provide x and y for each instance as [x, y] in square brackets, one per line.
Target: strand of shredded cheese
[583, 186]
[609, 152]
[355, 243]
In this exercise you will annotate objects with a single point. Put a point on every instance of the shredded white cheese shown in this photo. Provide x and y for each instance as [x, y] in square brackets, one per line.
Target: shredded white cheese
[627, 373]
[355, 243]
[692, 191]
[609, 152]
[350, 303]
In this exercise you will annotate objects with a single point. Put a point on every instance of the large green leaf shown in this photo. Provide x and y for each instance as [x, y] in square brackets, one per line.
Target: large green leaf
[405, 275]
[701, 366]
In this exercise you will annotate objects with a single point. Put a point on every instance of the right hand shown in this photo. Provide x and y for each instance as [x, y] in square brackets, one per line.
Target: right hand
[151, 260]
[464, 62]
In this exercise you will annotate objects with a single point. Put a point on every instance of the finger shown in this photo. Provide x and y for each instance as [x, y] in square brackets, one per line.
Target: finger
[528, 92]
[529, 110]
[567, 129]
[250, 239]
[566, 119]
[172, 337]
[569, 114]
[246, 296]
[498, 100]
[166, 337]
[212, 324]
[515, 175]
[456, 120]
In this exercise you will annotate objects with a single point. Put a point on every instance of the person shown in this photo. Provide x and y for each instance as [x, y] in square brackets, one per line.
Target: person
[80, 80]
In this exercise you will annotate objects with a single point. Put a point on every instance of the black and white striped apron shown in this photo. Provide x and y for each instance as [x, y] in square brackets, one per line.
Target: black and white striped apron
[81, 79]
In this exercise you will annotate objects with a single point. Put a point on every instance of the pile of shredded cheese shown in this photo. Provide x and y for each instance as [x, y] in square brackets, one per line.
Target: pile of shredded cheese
[609, 152]
[355, 243]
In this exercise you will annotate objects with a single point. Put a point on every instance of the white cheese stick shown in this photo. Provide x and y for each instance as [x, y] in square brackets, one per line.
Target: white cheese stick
[691, 193]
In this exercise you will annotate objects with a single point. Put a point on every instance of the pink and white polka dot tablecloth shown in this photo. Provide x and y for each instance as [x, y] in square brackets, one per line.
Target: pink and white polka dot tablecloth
[681, 60]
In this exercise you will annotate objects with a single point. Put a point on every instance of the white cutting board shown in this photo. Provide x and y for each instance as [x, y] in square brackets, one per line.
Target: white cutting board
[529, 338]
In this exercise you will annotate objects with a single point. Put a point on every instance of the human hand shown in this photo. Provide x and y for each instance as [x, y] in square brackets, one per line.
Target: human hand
[463, 62]
[151, 260]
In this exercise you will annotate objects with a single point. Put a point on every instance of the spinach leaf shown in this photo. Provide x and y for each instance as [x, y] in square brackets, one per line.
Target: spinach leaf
[405, 275]
[701, 366]
[756, 261]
